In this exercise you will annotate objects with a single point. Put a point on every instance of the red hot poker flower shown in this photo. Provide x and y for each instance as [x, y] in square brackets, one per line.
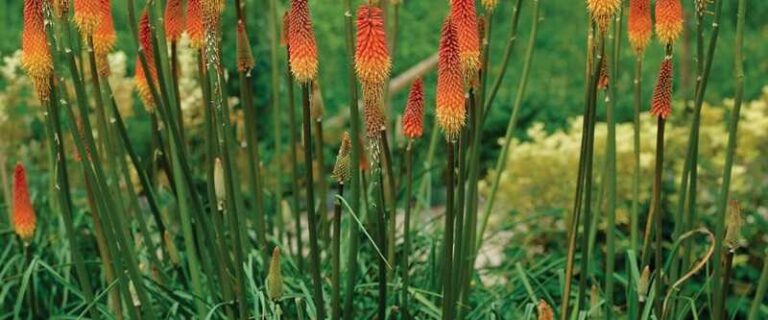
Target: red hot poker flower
[195, 26]
[24, 219]
[174, 20]
[602, 11]
[450, 85]
[669, 20]
[302, 46]
[639, 25]
[372, 61]
[413, 117]
[35, 54]
[87, 16]
[142, 83]
[104, 37]
[661, 103]
[464, 20]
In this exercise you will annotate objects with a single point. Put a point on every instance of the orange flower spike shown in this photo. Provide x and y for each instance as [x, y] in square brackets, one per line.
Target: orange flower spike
[602, 11]
[194, 21]
[87, 16]
[302, 46]
[661, 102]
[639, 25]
[464, 17]
[450, 85]
[35, 54]
[104, 36]
[174, 20]
[372, 61]
[669, 20]
[24, 219]
[142, 83]
[413, 116]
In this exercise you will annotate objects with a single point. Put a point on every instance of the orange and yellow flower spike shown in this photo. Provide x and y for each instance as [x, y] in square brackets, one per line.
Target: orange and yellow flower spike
[24, 219]
[413, 116]
[450, 84]
[195, 27]
[602, 11]
[87, 16]
[464, 20]
[142, 83]
[372, 60]
[104, 37]
[669, 20]
[35, 54]
[302, 46]
[174, 20]
[639, 25]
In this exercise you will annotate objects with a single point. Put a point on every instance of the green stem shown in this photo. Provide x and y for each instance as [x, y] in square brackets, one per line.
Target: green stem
[762, 288]
[407, 228]
[722, 201]
[611, 167]
[583, 198]
[65, 198]
[355, 175]
[390, 198]
[277, 110]
[336, 262]
[636, 150]
[314, 248]
[505, 60]
[295, 174]
[447, 262]
[511, 124]
[656, 215]
[381, 241]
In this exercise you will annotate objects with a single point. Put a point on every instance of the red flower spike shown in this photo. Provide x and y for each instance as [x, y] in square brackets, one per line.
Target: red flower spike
[194, 21]
[24, 219]
[464, 19]
[174, 20]
[450, 85]
[413, 116]
[142, 83]
[661, 103]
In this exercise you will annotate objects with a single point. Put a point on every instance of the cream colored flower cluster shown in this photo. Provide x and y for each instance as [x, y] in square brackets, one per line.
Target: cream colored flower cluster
[540, 172]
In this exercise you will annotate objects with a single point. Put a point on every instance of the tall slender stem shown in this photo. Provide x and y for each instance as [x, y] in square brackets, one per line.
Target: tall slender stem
[314, 248]
[356, 174]
[611, 167]
[720, 288]
[448, 266]
[336, 262]
[295, 172]
[656, 214]
[583, 198]
[407, 228]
